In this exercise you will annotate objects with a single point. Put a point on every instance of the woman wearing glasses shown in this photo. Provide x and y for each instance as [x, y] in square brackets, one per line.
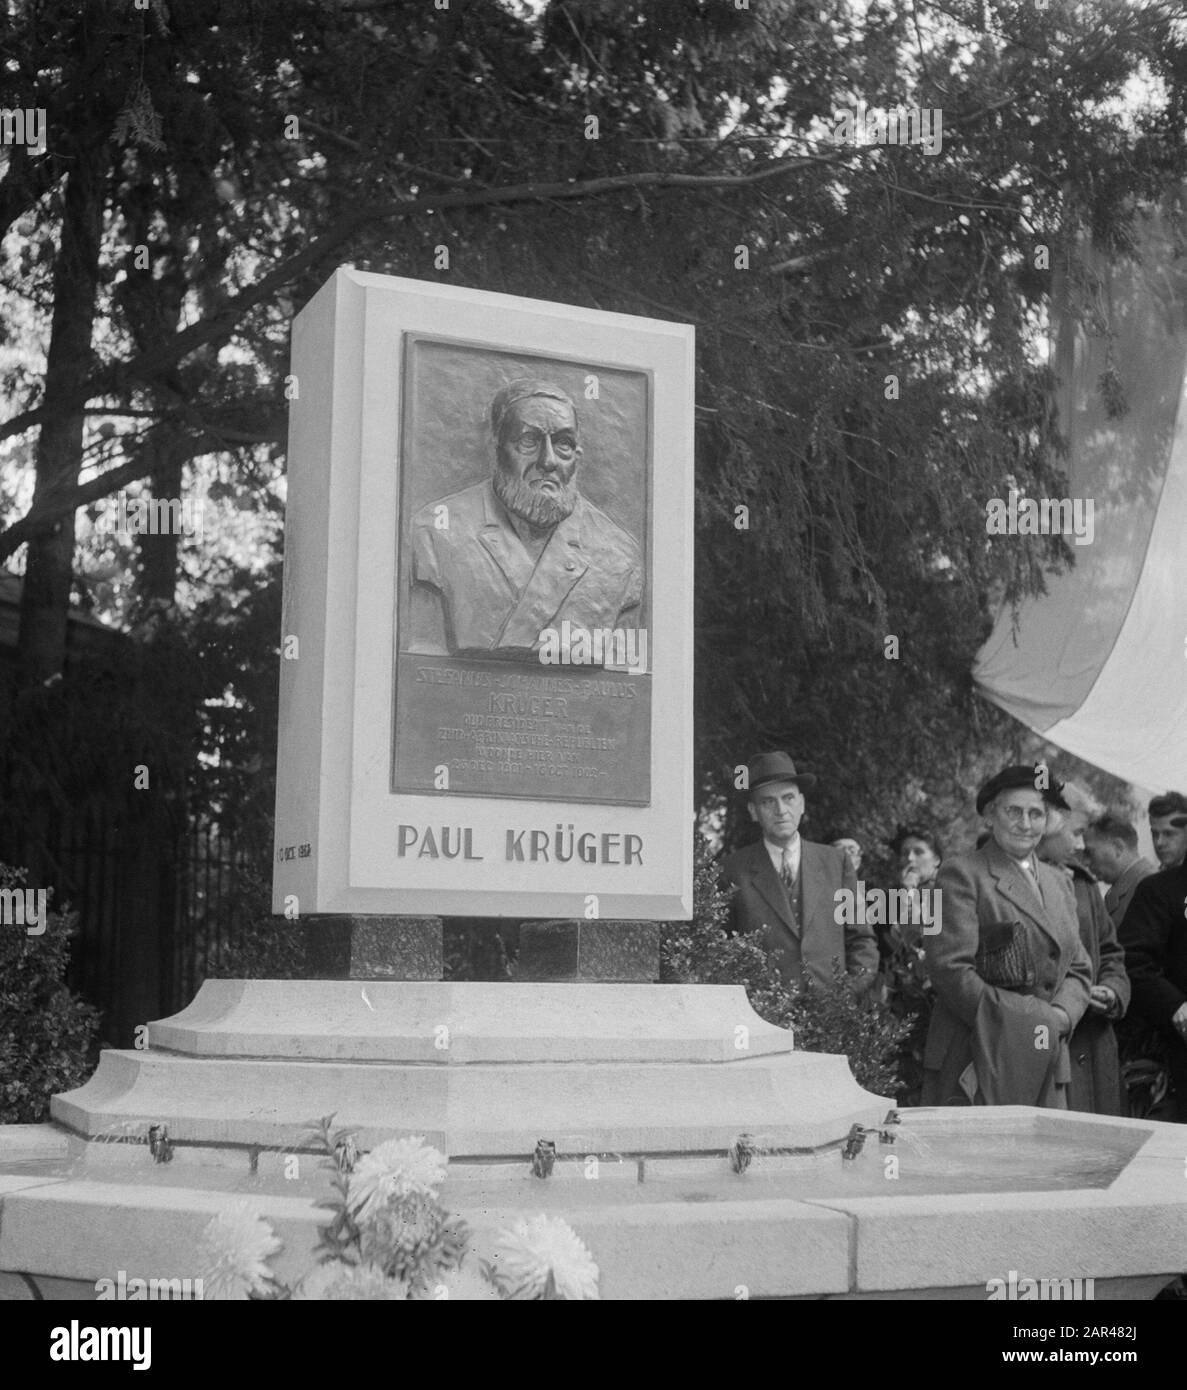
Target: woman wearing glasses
[1010, 973]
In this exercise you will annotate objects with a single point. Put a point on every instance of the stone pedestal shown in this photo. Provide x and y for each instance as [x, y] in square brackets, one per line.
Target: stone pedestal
[373, 948]
[480, 1070]
[595, 951]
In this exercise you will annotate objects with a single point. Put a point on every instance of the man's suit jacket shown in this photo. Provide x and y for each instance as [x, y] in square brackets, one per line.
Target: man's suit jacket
[475, 587]
[1120, 894]
[1154, 934]
[1001, 959]
[760, 904]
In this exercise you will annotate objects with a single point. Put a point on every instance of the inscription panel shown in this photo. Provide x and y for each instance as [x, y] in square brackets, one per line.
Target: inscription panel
[498, 730]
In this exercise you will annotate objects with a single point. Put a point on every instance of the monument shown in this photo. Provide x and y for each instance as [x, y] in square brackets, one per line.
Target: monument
[486, 697]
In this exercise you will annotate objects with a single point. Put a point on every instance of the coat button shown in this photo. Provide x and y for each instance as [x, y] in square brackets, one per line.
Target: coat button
[570, 564]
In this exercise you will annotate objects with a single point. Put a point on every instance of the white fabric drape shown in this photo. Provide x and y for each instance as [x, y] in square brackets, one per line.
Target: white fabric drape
[1098, 664]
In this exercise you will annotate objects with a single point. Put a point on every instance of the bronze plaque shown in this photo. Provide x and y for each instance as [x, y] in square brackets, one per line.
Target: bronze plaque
[523, 655]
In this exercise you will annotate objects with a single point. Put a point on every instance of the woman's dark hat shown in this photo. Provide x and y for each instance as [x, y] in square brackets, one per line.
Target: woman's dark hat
[776, 767]
[1021, 775]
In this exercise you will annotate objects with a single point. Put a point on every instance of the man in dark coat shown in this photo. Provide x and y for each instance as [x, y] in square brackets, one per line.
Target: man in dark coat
[1096, 1084]
[1111, 848]
[1154, 935]
[1010, 973]
[791, 889]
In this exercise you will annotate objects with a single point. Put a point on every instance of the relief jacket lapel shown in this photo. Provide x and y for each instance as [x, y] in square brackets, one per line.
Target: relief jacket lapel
[559, 568]
[497, 537]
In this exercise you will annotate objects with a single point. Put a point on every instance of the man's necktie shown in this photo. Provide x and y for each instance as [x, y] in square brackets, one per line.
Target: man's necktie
[786, 872]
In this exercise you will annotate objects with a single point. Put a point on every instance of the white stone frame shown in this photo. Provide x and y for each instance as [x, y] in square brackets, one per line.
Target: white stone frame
[335, 812]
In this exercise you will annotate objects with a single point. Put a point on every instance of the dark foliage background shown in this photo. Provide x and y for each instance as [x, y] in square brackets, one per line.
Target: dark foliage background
[47, 1034]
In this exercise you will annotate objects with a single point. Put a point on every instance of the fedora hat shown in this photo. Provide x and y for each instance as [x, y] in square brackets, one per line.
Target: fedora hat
[1020, 775]
[776, 767]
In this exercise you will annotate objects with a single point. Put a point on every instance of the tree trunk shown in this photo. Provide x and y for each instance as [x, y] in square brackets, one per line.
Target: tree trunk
[45, 600]
[152, 303]
[157, 581]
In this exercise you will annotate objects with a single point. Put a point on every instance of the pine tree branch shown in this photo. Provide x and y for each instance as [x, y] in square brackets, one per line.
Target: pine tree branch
[53, 507]
[146, 367]
[217, 327]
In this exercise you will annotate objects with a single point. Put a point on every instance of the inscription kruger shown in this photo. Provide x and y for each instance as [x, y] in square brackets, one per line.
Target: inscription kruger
[524, 507]
[564, 845]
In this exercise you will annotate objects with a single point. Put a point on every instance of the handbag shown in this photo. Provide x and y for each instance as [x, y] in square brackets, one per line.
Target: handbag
[1003, 956]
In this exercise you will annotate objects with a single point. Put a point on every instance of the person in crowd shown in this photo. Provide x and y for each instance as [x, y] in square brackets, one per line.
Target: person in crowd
[919, 854]
[1168, 828]
[788, 887]
[851, 848]
[1154, 935]
[1010, 973]
[1111, 848]
[1096, 1083]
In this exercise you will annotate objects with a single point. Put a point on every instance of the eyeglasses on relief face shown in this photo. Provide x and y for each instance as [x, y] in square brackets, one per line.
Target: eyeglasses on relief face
[531, 442]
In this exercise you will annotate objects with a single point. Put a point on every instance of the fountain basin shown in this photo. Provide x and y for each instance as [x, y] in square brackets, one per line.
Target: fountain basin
[978, 1194]
[650, 1089]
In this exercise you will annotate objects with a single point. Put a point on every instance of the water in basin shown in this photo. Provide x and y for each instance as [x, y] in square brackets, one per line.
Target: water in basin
[933, 1158]
[978, 1159]
[932, 1161]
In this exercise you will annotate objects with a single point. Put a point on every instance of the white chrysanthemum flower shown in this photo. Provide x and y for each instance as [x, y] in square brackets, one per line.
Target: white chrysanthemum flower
[236, 1246]
[393, 1170]
[339, 1281]
[533, 1249]
[465, 1285]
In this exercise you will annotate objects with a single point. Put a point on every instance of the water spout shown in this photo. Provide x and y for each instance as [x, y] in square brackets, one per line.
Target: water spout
[159, 1144]
[858, 1134]
[854, 1141]
[544, 1158]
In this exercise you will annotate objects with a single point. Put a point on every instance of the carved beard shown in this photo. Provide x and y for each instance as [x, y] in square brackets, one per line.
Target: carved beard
[536, 508]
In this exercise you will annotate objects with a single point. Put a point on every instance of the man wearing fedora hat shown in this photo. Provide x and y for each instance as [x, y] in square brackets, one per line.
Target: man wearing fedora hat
[1010, 972]
[787, 886]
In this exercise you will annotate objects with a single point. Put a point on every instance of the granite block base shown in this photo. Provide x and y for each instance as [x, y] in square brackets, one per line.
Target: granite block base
[373, 948]
[592, 952]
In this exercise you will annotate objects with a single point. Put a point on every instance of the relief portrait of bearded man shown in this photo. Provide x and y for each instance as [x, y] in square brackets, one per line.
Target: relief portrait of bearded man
[497, 563]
